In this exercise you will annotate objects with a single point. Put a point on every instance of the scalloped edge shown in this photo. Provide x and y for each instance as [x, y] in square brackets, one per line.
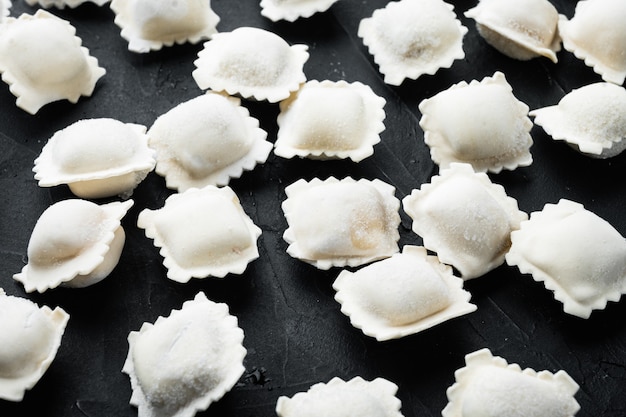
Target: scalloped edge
[436, 141]
[382, 390]
[275, 10]
[392, 207]
[176, 177]
[230, 322]
[374, 116]
[388, 62]
[484, 358]
[61, 4]
[372, 325]
[180, 274]
[208, 57]
[508, 204]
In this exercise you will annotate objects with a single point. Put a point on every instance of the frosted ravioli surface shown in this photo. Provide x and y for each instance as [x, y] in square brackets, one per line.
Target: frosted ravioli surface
[30, 337]
[251, 62]
[597, 35]
[207, 141]
[409, 38]
[480, 123]
[401, 295]
[356, 397]
[465, 218]
[5, 5]
[341, 222]
[42, 61]
[575, 253]
[76, 243]
[327, 120]
[61, 4]
[184, 362]
[291, 10]
[489, 386]
[96, 158]
[591, 118]
[149, 25]
[523, 29]
[202, 232]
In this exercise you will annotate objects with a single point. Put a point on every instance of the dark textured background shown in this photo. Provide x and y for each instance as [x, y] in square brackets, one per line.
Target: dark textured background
[294, 332]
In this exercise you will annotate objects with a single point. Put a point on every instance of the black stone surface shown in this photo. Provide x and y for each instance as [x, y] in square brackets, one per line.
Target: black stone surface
[294, 331]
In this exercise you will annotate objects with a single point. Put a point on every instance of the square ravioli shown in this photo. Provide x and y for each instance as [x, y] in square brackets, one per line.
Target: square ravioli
[575, 253]
[149, 25]
[401, 295]
[195, 244]
[30, 337]
[182, 363]
[409, 38]
[522, 30]
[291, 10]
[489, 386]
[480, 123]
[465, 218]
[251, 62]
[43, 61]
[341, 222]
[591, 119]
[207, 141]
[327, 120]
[602, 50]
[96, 158]
[356, 397]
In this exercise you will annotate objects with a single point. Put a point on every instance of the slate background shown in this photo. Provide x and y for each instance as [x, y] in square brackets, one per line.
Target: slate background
[294, 332]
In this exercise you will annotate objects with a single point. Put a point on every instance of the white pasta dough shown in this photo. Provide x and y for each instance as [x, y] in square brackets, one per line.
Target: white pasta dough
[327, 120]
[356, 397]
[489, 386]
[523, 29]
[150, 25]
[291, 10]
[26, 43]
[207, 141]
[96, 158]
[401, 295]
[184, 362]
[61, 4]
[409, 38]
[202, 232]
[575, 253]
[30, 337]
[341, 222]
[592, 119]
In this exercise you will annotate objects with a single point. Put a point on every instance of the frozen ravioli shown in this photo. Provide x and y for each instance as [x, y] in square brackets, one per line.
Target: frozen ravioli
[75, 243]
[489, 386]
[150, 25]
[184, 362]
[592, 119]
[43, 61]
[207, 141]
[356, 397]
[575, 253]
[329, 120]
[523, 29]
[597, 35]
[251, 62]
[341, 222]
[480, 123]
[202, 232]
[96, 158]
[292, 10]
[30, 337]
[401, 295]
[61, 4]
[409, 38]
[465, 218]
